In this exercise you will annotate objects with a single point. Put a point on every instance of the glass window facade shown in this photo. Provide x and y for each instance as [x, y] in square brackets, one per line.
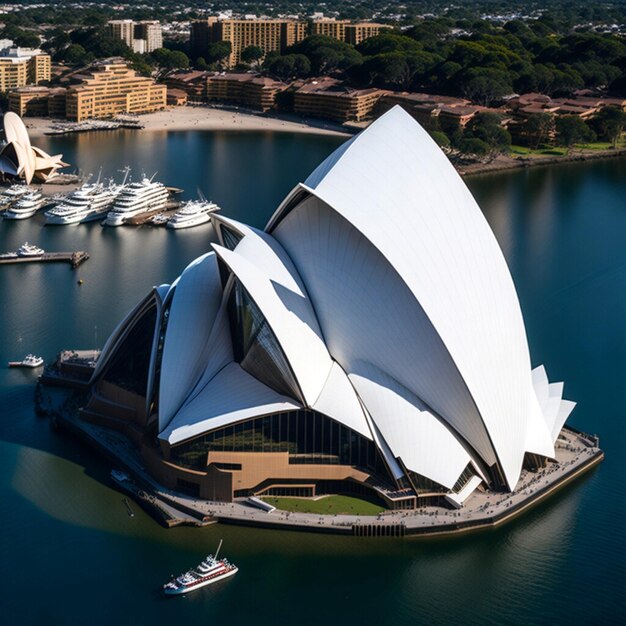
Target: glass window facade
[255, 347]
[128, 367]
[309, 438]
[229, 237]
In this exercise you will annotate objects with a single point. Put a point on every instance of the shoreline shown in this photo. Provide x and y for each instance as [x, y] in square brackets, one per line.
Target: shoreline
[576, 455]
[237, 119]
[186, 118]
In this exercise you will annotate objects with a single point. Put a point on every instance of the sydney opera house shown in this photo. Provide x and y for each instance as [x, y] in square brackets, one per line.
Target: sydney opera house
[368, 340]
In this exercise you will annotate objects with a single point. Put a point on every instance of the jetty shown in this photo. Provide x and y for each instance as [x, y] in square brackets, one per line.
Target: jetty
[73, 258]
[66, 128]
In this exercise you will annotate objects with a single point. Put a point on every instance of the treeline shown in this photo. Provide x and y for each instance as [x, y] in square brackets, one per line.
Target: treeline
[483, 65]
[484, 135]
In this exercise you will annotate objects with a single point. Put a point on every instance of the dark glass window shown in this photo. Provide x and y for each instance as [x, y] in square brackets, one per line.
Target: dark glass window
[297, 432]
[128, 367]
[255, 346]
[464, 478]
[229, 237]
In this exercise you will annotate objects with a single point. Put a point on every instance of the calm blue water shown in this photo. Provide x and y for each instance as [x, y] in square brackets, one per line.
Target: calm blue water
[69, 553]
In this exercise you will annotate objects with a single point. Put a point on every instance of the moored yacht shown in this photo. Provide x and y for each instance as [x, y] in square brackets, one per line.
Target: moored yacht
[137, 198]
[89, 202]
[208, 572]
[29, 249]
[13, 193]
[26, 206]
[193, 213]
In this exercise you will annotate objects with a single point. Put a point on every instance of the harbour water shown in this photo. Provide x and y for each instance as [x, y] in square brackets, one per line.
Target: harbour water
[71, 554]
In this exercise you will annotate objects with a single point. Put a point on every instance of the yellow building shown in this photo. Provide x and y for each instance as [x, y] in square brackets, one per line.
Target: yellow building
[248, 90]
[109, 88]
[23, 66]
[268, 35]
[330, 28]
[356, 33]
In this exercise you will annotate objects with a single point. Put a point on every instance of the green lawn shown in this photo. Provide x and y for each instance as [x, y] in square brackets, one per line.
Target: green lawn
[544, 150]
[327, 505]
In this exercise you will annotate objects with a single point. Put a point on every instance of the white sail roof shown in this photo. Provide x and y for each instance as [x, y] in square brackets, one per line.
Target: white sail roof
[395, 186]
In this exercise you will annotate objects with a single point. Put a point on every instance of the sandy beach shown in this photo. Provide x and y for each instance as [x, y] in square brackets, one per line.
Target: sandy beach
[209, 118]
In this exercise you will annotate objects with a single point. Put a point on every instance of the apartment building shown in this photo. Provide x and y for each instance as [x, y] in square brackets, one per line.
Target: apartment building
[23, 66]
[268, 35]
[110, 88]
[244, 89]
[328, 98]
[141, 37]
[356, 33]
[329, 27]
[38, 101]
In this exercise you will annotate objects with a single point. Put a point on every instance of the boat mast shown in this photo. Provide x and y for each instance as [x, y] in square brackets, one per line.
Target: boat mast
[218, 549]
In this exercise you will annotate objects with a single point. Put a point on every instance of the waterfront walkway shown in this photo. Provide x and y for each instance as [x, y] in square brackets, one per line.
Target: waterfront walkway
[575, 454]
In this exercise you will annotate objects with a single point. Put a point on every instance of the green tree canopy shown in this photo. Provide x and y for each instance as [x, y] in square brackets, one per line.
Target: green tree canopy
[571, 130]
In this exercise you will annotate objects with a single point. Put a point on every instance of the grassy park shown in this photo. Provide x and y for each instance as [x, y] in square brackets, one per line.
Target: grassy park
[326, 505]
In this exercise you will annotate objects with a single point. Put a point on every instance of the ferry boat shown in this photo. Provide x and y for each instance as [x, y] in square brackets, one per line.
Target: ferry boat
[29, 249]
[13, 193]
[193, 213]
[26, 206]
[89, 202]
[137, 198]
[210, 571]
[30, 360]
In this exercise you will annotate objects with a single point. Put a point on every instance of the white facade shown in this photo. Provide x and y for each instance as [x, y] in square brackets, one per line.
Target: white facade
[382, 294]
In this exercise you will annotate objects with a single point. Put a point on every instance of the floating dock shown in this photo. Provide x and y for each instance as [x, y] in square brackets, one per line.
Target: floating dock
[73, 258]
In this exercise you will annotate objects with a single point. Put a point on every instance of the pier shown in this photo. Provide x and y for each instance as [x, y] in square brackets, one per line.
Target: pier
[73, 258]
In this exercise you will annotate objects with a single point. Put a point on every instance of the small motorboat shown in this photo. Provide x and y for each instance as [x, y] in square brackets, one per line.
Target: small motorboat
[30, 360]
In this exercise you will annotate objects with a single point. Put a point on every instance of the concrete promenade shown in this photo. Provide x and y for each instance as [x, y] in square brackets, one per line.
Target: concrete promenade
[575, 454]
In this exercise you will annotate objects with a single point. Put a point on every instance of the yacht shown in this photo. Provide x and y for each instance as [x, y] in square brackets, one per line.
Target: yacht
[28, 249]
[208, 572]
[137, 198]
[30, 360]
[87, 203]
[10, 195]
[192, 213]
[26, 206]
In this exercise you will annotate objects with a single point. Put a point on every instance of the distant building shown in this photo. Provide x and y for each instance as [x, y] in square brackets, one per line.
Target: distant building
[141, 37]
[37, 102]
[192, 82]
[23, 66]
[176, 97]
[269, 35]
[356, 33]
[329, 27]
[328, 98]
[109, 88]
[447, 111]
[245, 89]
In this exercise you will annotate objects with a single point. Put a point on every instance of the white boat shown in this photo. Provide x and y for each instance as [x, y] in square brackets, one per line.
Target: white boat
[30, 360]
[26, 206]
[89, 202]
[193, 213]
[13, 193]
[137, 198]
[159, 220]
[210, 571]
[29, 249]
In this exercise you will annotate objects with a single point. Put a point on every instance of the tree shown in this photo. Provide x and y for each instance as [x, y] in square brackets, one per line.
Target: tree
[485, 85]
[252, 55]
[474, 147]
[537, 128]
[488, 128]
[610, 123]
[217, 52]
[169, 59]
[441, 139]
[74, 54]
[571, 130]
